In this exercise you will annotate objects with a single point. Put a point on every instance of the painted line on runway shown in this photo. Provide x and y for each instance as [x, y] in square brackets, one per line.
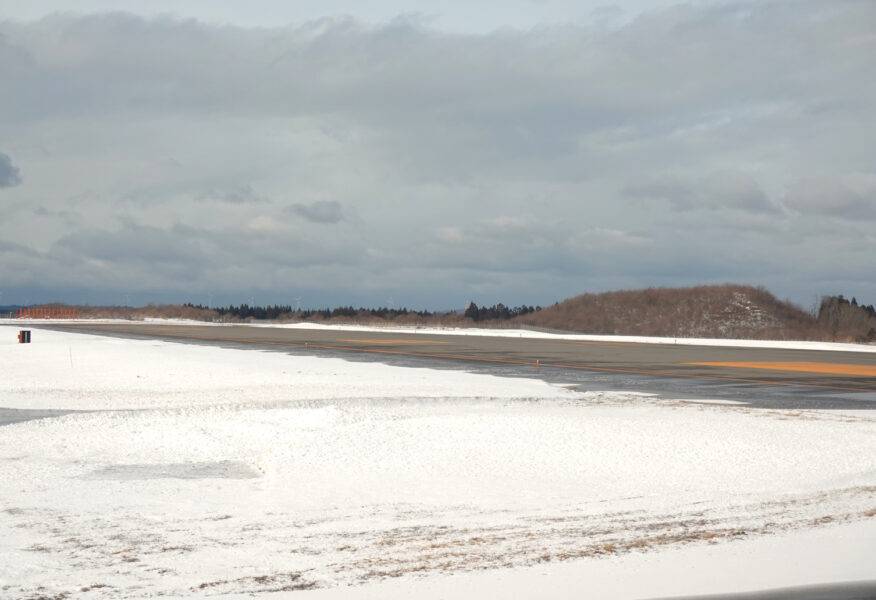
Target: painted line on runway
[804, 367]
[712, 378]
[391, 342]
[609, 344]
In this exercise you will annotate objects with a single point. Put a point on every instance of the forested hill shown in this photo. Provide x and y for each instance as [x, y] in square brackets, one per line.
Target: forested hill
[726, 311]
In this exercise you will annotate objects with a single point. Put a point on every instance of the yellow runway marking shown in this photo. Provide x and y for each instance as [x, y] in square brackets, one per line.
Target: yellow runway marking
[393, 342]
[805, 367]
[608, 344]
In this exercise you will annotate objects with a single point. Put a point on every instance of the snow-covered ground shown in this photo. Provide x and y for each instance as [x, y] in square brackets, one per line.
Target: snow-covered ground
[184, 470]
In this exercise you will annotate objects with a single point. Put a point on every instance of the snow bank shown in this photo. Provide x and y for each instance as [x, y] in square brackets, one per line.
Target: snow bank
[190, 470]
[634, 339]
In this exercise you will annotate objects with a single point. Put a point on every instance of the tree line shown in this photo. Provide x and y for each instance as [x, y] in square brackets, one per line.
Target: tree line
[843, 318]
[245, 311]
[497, 312]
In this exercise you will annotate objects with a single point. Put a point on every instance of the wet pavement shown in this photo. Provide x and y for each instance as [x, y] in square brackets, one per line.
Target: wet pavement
[668, 370]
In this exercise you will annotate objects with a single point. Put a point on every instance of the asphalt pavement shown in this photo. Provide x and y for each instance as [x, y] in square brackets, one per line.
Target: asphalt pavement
[763, 377]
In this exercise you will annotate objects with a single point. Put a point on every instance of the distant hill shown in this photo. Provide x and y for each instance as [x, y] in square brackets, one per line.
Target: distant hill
[721, 311]
[724, 311]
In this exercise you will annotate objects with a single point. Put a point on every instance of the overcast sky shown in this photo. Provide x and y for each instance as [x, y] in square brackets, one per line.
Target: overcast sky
[425, 154]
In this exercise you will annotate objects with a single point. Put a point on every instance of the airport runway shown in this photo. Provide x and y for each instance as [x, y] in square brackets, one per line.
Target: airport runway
[773, 378]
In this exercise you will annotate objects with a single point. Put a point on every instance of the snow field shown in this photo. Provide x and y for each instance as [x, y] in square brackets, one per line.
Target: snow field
[83, 372]
[190, 470]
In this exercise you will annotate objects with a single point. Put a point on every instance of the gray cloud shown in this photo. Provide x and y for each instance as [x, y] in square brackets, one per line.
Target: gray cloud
[244, 194]
[851, 197]
[133, 245]
[723, 190]
[532, 164]
[322, 211]
[16, 249]
[680, 195]
[9, 174]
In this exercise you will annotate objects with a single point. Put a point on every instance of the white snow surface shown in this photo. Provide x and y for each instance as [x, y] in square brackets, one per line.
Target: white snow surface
[184, 470]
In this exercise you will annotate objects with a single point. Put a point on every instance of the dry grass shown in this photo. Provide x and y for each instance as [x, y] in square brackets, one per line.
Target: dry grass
[94, 586]
[177, 549]
[275, 582]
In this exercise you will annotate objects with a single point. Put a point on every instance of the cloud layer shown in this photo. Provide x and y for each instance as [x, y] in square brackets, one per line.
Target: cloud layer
[9, 175]
[345, 162]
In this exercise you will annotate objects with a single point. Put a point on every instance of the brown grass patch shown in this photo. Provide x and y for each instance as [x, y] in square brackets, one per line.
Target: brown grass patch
[177, 549]
[276, 582]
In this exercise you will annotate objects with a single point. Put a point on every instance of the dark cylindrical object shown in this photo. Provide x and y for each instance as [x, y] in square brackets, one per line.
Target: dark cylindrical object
[24, 336]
